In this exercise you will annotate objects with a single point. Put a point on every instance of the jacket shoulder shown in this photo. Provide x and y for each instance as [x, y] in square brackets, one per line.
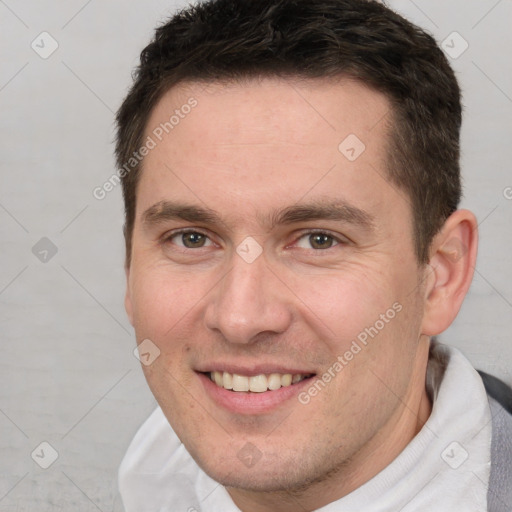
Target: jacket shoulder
[498, 390]
[499, 494]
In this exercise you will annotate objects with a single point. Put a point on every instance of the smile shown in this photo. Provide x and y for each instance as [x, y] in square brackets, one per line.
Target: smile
[255, 383]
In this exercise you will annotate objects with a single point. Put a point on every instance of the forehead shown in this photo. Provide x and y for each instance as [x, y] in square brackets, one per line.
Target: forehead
[263, 144]
[253, 110]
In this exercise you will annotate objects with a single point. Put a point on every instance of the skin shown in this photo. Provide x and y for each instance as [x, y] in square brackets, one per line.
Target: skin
[245, 151]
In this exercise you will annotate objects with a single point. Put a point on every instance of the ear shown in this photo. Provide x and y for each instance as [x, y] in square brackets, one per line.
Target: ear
[450, 271]
[127, 297]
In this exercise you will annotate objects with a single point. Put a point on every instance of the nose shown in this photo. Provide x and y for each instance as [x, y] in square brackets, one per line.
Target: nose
[250, 300]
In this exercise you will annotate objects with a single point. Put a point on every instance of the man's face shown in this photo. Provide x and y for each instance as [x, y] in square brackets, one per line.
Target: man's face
[259, 167]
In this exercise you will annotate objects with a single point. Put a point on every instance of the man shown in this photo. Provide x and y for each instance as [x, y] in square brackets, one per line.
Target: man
[291, 180]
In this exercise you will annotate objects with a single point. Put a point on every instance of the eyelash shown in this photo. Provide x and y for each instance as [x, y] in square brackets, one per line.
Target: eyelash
[337, 241]
[168, 238]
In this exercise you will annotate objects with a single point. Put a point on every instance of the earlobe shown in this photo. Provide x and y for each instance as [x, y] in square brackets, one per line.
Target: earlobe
[452, 263]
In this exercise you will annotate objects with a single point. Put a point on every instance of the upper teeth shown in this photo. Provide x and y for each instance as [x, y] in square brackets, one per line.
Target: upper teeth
[256, 383]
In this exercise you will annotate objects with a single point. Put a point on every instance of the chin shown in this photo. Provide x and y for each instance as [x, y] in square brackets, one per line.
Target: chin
[271, 473]
[253, 480]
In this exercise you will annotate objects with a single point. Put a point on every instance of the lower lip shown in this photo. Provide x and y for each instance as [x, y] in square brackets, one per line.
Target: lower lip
[250, 402]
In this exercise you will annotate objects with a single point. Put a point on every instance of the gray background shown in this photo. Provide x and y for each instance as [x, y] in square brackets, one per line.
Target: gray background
[67, 372]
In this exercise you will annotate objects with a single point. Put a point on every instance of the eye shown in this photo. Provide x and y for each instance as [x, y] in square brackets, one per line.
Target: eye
[317, 240]
[189, 239]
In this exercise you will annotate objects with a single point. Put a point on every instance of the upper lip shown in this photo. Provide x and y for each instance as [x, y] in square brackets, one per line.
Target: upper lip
[252, 370]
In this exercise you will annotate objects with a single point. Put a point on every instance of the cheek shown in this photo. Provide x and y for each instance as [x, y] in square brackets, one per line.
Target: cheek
[340, 305]
[369, 319]
[161, 301]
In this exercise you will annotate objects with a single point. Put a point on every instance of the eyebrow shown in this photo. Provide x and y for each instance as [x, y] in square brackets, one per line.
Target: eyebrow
[338, 210]
[166, 210]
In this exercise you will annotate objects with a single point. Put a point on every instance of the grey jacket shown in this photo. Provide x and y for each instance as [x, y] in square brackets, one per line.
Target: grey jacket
[499, 494]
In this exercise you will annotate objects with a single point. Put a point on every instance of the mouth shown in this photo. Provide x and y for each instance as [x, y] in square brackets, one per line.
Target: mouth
[251, 389]
[255, 383]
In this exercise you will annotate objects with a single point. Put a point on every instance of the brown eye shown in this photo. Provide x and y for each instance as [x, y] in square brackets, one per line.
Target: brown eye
[192, 240]
[317, 240]
[189, 239]
[321, 241]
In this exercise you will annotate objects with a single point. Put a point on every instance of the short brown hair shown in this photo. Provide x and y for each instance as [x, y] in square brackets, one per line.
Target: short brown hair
[362, 39]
